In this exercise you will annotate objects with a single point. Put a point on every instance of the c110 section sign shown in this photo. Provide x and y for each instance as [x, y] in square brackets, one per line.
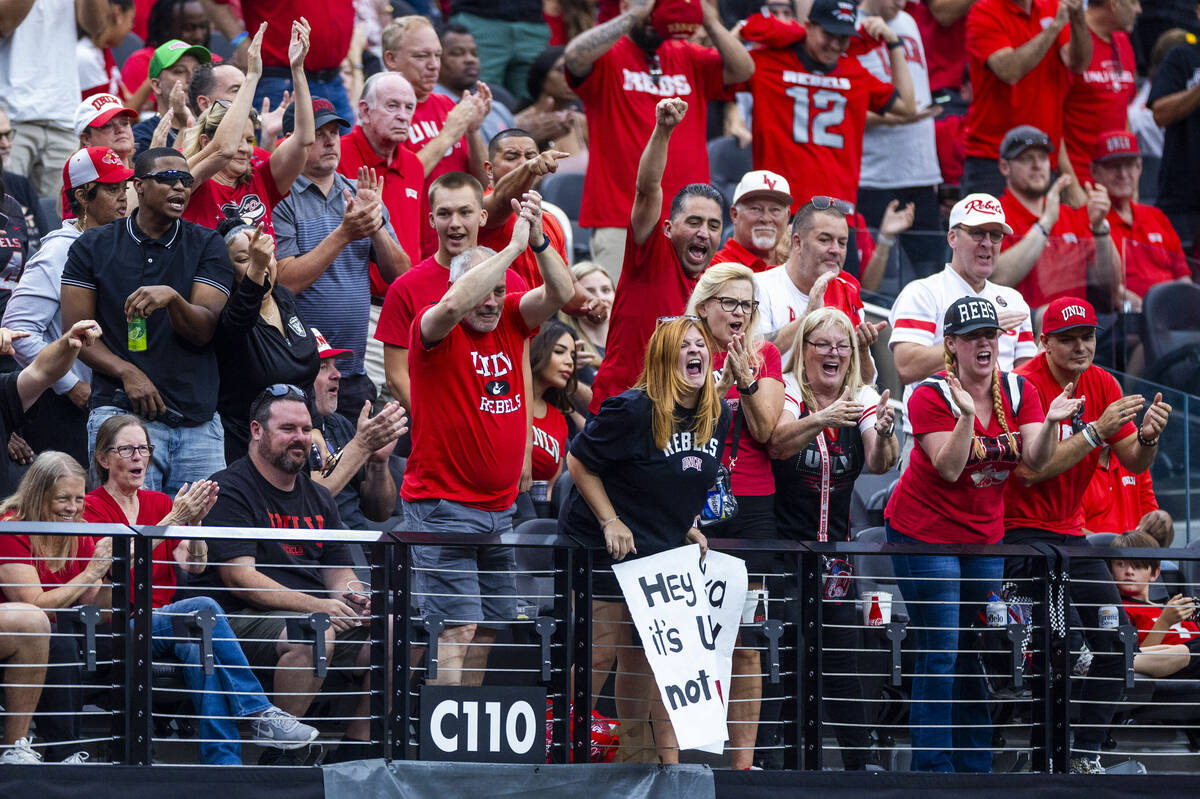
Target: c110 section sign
[687, 612]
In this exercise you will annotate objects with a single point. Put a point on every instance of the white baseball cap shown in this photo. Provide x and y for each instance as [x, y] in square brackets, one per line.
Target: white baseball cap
[979, 209]
[96, 110]
[760, 181]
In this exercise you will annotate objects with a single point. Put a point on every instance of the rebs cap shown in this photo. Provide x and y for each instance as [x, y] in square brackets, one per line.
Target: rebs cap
[969, 314]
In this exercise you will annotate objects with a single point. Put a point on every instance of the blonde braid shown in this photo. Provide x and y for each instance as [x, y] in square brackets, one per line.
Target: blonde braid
[998, 405]
[951, 364]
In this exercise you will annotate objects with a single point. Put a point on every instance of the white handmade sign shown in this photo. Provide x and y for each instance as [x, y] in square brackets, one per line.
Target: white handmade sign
[687, 611]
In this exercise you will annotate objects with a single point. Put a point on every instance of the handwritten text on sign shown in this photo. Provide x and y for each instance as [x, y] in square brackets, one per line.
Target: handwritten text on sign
[687, 612]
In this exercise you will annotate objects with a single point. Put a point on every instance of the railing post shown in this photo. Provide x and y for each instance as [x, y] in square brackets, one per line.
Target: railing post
[139, 669]
[809, 660]
[401, 673]
[581, 707]
[380, 682]
[1057, 647]
[562, 655]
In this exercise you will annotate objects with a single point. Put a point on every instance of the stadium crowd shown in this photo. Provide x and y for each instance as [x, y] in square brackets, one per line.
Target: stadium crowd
[292, 231]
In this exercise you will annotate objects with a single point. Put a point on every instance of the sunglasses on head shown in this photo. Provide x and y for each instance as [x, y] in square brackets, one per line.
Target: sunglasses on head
[823, 203]
[662, 320]
[283, 389]
[169, 177]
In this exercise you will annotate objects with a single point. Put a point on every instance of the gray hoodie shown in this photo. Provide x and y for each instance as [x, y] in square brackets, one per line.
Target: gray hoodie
[36, 304]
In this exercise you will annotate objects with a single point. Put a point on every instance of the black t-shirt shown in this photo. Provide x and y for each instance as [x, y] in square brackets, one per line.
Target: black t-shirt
[14, 248]
[252, 354]
[1180, 175]
[113, 261]
[21, 190]
[11, 411]
[656, 492]
[248, 500]
[832, 462]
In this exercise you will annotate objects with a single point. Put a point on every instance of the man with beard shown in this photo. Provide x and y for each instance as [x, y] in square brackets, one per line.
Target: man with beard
[267, 582]
[759, 214]
[1061, 251]
[169, 279]
[812, 277]
[663, 260]
[468, 453]
[620, 70]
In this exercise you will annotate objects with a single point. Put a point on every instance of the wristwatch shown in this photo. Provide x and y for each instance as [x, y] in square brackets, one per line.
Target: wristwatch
[750, 389]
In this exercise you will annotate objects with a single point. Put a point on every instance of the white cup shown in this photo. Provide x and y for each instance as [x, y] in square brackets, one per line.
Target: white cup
[876, 608]
[754, 598]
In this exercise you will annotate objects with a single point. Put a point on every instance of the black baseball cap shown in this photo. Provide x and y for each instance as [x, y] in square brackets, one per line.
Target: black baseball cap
[968, 314]
[836, 17]
[323, 113]
[1021, 138]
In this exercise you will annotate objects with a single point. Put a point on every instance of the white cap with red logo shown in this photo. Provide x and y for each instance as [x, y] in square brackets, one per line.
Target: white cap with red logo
[760, 181]
[325, 349]
[979, 209]
[98, 164]
[97, 110]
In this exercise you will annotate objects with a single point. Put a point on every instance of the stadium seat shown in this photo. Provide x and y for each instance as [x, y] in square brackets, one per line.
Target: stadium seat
[565, 189]
[126, 48]
[1170, 318]
[1148, 185]
[567, 226]
[50, 210]
[562, 488]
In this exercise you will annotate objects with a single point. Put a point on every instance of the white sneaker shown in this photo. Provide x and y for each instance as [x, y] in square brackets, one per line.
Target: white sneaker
[77, 759]
[20, 753]
[281, 730]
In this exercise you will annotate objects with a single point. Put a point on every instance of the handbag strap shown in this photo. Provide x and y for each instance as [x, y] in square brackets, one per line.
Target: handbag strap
[737, 434]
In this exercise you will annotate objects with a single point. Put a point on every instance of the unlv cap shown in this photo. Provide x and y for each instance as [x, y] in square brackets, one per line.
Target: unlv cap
[1067, 312]
[969, 314]
[1115, 144]
[760, 181]
[325, 349]
[677, 19]
[837, 17]
[94, 164]
[978, 209]
[97, 110]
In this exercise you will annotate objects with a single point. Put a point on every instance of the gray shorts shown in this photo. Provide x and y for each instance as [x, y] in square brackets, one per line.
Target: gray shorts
[259, 637]
[466, 584]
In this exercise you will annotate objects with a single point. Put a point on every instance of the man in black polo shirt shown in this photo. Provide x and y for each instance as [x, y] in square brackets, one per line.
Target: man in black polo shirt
[266, 582]
[173, 277]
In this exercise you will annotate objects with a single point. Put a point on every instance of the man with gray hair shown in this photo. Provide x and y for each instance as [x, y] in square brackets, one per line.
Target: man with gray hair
[469, 390]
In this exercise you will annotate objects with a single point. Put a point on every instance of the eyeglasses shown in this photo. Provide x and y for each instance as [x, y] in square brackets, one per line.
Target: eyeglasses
[731, 304]
[7, 135]
[223, 103]
[978, 234]
[283, 389]
[662, 320]
[126, 450]
[170, 177]
[827, 347]
[823, 203]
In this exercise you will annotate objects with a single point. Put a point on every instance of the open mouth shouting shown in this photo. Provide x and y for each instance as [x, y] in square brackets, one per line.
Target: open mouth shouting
[697, 252]
[176, 202]
[830, 367]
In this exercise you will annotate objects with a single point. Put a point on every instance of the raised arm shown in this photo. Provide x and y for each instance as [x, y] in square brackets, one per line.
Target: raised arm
[464, 118]
[513, 185]
[905, 102]
[648, 194]
[217, 154]
[558, 286]
[735, 59]
[1078, 52]
[288, 159]
[1010, 64]
[586, 48]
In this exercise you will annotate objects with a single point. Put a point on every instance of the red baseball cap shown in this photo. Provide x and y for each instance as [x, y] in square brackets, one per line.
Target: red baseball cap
[1067, 312]
[325, 349]
[1115, 144]
[99, 164]
[677, 19]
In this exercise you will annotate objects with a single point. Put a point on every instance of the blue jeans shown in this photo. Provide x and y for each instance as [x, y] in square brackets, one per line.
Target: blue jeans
[332, 90]
[181, 454]
[231, 692]
[935, 608]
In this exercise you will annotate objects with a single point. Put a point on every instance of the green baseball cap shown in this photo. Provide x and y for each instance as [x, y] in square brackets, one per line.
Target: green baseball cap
[170, 52]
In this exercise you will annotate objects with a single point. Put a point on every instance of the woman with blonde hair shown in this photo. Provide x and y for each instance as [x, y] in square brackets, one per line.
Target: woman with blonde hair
[591, 330]
[642, 468]
[751, 383]
[831, 428]
[220, 156]
[973, 425]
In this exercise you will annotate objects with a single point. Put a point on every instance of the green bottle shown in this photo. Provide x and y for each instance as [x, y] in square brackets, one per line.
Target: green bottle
[137, 334]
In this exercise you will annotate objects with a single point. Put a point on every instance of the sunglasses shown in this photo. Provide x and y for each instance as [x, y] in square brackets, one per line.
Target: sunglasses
[283, 389]
[823, 203]
[662, 320]
[170, 177]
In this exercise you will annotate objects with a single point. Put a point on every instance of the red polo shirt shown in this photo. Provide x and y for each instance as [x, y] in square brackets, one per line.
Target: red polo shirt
[1116, 499]
[1149, 248]
[1098, 100]
[1062, 269]
[403, 193]
[736, 253]
[332, 25]
[427, 123]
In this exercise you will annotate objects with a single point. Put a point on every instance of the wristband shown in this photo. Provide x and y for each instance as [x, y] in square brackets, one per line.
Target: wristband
[1146, 442]
[1089, 433]
[885, 239]
[891, 431]
[241, 37]
[605, 524]
[749, 390]
[542, 248]
[896, 44]
[1042, 228]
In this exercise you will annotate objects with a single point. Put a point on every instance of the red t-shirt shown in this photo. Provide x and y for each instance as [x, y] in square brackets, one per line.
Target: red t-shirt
[253, 201]
[426, 124]
[733, 252]
[653, 283]
[619, 97]
[549, 443]
[525, 264]
[968, 511]
[1036, 99]
[1145, 614]
[1061, 271]
[752, 476]
[101, 508]
[137, 68]
[468, 391]
[945, 49]
[403, 193]
[419, 287]
[15, 547]
[1116, 499]
[1055, 504]
[809, 126]
[1149, 248]
[332, 26]
[1098, 100]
